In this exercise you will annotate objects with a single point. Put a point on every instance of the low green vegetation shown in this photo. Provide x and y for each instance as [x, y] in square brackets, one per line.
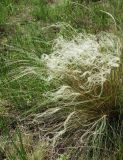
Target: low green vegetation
[45, 112]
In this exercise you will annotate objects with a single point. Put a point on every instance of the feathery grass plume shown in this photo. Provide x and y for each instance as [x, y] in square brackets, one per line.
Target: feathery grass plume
[88, 69]
[85, 64]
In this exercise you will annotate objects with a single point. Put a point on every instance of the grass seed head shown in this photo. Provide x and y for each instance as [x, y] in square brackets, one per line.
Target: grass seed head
[83, 64]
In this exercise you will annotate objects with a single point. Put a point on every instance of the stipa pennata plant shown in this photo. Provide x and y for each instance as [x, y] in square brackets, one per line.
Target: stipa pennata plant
[87, 119]
[82, 115]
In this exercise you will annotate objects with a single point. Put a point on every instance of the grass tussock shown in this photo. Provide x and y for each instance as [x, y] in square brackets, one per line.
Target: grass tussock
[88, 117]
